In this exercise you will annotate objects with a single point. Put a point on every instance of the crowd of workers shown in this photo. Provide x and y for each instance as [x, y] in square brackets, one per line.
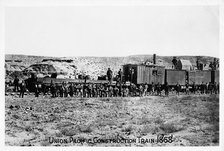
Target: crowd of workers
[120, 89]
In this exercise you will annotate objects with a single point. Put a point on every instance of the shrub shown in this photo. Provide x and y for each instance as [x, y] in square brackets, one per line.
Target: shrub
[28, 128]
[128, 129]
[152, 129]
[158, 120]
[86, 129]
[170, 127]
[70, 131]
[145, 120]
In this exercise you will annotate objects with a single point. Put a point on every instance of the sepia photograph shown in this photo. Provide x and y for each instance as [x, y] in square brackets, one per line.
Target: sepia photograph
[112, 75]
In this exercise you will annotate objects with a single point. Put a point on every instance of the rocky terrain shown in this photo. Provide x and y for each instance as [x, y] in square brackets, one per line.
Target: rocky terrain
[192, 120]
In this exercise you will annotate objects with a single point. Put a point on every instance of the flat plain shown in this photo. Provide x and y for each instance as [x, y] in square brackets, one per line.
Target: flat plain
[192, 120]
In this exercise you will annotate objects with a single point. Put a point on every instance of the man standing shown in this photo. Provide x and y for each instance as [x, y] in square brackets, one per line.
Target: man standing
[145, 93]
[36, 90]
[178, 87]
[215, 88]
[71, 90]
[53, 89]
[141, 90]
[16, 84]
[109, 75]
[166, 87]
[158, 87]
[131, 73]
[202, 88]
[187, 88]
[22, 89]
[153, 88]
[120, 74]
[193, 88]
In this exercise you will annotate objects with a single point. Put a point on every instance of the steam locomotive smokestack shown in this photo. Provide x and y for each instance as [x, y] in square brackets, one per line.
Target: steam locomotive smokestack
[154, 58]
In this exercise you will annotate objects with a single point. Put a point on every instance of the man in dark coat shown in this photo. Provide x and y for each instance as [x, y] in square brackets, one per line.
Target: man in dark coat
[22, 89]
[193, 88]
[187, 88]
[166, 87]
[53, 89]
[120, 74]
[36, 90]
[178, 88]
[131, 75]
[109, 75]
[71, 90]
[16, 84]
[159, 89]
[202, 87]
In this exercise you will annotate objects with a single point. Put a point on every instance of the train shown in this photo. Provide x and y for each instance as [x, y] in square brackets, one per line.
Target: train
[148, 74]
[141, 74]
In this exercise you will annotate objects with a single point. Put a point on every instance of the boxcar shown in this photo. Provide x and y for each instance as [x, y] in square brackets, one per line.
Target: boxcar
[173, 76]
[144, 74]
[138, 76]
[155, 74]
[199, 76]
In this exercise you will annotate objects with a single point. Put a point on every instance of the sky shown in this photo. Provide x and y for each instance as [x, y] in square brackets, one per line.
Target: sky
[65, 31]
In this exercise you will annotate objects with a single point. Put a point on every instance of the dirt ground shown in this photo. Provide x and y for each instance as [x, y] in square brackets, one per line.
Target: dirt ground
[192, 120]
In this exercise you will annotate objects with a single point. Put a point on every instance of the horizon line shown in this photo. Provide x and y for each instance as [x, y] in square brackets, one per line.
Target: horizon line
[112, 56]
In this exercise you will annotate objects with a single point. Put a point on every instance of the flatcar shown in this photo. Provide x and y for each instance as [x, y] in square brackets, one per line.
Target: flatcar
[30, 82]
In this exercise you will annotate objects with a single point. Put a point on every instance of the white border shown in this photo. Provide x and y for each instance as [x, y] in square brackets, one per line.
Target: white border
[40, 3]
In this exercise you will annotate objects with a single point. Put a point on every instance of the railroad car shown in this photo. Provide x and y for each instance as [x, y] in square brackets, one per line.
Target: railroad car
[156, 74]
[134, 73]
[172, 77]
[199, 76]
[141, 74]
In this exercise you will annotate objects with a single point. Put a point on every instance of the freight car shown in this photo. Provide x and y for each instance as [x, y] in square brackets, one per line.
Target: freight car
[141, 74]
[172, 77]
[199, 76]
